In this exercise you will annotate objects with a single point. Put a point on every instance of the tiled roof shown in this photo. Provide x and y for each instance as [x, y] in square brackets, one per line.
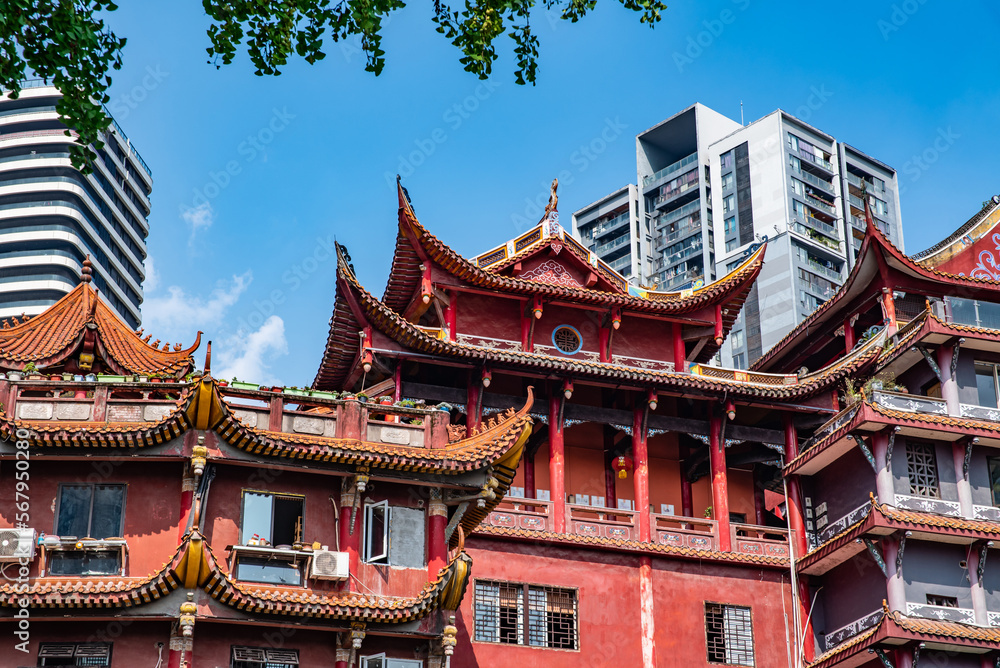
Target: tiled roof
[58, 332]
[599, 542]
[926, 257]
[875, 243]
[895, 625]
[491, 444]
[731, 289]
[775, 387]
[194, 565]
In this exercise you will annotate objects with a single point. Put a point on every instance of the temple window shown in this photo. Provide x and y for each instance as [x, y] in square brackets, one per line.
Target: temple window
[986, 384]
[270, 533]
[921, 468]
[994, 464]
[74, 654]
[264, 657]
[567, 339]
[382, 661]
[729, 634]
[394, 535]
[89, 523]
[521, 614]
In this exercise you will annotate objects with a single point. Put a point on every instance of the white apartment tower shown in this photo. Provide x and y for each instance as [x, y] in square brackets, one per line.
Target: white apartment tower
[52, 216]
[709, 188]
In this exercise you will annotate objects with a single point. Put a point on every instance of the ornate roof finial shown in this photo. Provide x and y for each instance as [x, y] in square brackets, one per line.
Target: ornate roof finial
[208, 359]
[553, 205]
[87, 272]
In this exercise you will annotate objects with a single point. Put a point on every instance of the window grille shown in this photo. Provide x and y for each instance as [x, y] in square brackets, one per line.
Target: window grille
[520, 614]
[264, 657]
[921, 468]
[729, 634]
[74, 654]
[567, 339]
[942, 601]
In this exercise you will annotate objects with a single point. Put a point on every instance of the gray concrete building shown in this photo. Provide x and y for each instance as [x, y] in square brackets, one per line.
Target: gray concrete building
[708, 188]
[52, 216]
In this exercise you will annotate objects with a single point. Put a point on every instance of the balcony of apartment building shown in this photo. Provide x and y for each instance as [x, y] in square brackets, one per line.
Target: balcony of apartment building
[816, 164]
[677, 227]
[816, 225]
[674, 260]
[604, 227]
[669, 171]
[825, 185]
[675, 193]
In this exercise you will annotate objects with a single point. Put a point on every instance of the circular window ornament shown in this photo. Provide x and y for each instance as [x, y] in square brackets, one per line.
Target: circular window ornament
[567, 339]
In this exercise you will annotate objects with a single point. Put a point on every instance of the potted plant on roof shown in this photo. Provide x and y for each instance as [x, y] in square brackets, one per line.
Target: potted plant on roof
[222, 382]
[240, 385]
[66, 376]
[362, 397]
[31, 371]
[15, 374]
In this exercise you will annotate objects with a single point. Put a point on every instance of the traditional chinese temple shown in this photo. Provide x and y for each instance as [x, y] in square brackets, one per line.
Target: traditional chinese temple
[518, 459]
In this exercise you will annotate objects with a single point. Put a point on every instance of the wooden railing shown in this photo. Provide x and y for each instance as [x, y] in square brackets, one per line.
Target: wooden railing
[616, 524]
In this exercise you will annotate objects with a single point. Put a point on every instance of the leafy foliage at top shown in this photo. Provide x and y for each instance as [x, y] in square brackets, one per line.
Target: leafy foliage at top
[65, 42]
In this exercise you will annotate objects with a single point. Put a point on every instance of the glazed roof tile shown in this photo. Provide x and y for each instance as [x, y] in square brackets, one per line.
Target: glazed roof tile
[195, 565]
[57, 332]
[859, 280]
[633, 546]
[702, 378]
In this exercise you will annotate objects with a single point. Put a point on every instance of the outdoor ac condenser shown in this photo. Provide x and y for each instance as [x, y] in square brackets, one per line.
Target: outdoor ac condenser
[327, 565]
[17, 544]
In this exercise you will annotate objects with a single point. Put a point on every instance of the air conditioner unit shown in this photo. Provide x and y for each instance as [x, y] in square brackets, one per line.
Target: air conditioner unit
[327, 565]
[17, 544]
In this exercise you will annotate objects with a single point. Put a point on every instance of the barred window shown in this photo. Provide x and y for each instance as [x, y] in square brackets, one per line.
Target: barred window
[729, 634]
[921, 468]
[942, 601]
[74, 654]
[264, 657]
[521, 614]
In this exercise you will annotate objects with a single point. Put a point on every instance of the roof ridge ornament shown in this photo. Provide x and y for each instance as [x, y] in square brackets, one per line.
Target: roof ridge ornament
[86, 273]
[551, 216]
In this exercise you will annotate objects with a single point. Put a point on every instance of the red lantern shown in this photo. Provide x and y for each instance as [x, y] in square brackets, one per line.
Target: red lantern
[622, 464]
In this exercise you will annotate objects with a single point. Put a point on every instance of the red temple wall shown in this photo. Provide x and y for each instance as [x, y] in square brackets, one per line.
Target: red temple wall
[133, 642]
[152, 503]
[609, 606]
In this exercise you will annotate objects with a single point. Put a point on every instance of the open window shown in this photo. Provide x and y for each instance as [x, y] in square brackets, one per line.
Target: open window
[271, 519]
[270, 527]
[394, 535]
[89, 526]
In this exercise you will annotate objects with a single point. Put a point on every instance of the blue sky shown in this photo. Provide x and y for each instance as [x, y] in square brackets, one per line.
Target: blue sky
[254, 177]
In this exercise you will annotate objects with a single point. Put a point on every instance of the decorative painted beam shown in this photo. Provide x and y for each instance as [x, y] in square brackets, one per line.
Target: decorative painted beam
[916, 654]
[931, 361]
[969, 442]
[888, 448]
[899, 552]
[876, 555]
[954, 357]
[983, 551]
[880, 653]
[865, 450]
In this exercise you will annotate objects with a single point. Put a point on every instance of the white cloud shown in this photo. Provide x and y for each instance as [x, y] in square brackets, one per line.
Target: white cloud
[152, 278]
[177, 312]
[249, 357]
[198, 217]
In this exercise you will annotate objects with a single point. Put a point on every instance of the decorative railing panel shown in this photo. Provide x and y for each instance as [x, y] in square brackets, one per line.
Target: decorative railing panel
[963, 615]
[686, 532]
[993, 618]
[838, 421]
[833, 528]
[847, 632]
[911, 403]
[761, 541]
[925, 505]
[602, 523]
[981, 413]
[527, 514]
[987, 513]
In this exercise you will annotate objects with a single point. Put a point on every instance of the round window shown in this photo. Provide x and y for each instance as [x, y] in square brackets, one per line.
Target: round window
[567, 339]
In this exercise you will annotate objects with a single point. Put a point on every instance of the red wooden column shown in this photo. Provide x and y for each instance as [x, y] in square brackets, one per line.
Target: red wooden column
[473, 410]
[529, 475]
[179, 651]
[759, 511]
[889, 311]
[557, 463]
[451, 315]
[350, 537]
[687, 498]
[849, 337]
[343, 657]
[797, 535]
[610, 477]
[640, 455]
[679, 348]
[437, 548]
[720, 484]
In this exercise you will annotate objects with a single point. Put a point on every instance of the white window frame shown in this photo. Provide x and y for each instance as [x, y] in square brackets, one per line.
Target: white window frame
[383, 556]
[389, 663]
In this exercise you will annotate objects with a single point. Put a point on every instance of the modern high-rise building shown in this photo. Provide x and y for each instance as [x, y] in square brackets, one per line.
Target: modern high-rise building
[709, 188]
[52, 216]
